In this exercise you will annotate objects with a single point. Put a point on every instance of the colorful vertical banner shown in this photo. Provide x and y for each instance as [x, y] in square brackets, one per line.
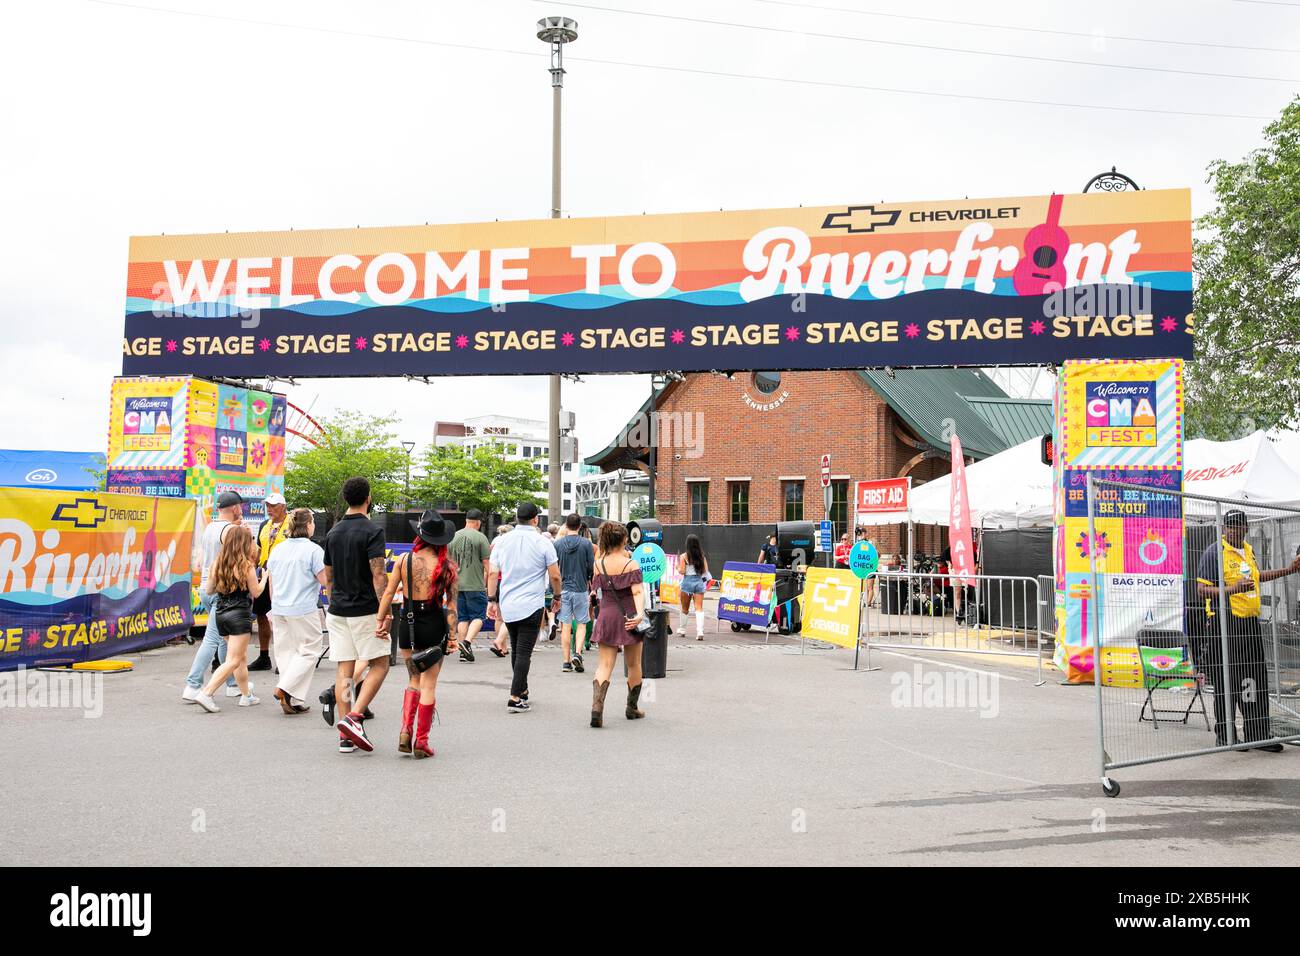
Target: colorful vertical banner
[960, 542]
[188, 437]
[1118, 421]
[84, 576]
[670, 585]
[831, 606]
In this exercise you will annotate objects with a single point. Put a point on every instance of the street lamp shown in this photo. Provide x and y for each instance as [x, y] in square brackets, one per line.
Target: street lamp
[555, 31]
[409, 447]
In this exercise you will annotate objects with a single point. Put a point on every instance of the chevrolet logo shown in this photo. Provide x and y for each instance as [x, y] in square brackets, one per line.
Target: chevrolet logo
[832, 595]
[861, 219]
[81, 512]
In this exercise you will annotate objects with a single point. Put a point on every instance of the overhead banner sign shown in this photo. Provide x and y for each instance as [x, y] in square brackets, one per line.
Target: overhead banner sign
[84, 576]
[1028, 280]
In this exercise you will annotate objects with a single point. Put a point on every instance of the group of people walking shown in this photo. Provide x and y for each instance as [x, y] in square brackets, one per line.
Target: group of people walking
[449, 584]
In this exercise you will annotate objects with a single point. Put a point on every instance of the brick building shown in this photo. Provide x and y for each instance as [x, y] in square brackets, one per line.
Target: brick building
[746, 449]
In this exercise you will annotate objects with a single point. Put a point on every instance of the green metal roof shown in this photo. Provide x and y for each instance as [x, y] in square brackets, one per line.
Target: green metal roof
[933, 401]
[600, 458]
[1015, 419]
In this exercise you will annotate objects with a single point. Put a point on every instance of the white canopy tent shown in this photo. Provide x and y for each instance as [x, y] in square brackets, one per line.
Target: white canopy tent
[1013, 489]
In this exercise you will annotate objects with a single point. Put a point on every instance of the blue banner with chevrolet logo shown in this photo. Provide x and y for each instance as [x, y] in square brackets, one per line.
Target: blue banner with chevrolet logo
[84, 576]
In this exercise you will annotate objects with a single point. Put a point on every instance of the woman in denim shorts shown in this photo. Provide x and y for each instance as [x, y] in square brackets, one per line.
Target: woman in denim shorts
[695, 578]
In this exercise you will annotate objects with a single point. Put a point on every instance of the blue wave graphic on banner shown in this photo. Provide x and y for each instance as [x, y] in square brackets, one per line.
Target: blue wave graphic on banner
[608, 297]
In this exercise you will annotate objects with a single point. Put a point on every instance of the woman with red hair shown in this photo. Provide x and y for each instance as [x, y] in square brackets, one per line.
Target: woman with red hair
[426, 632]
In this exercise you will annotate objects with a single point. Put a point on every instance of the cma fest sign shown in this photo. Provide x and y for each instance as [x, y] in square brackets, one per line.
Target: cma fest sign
[1031, 280]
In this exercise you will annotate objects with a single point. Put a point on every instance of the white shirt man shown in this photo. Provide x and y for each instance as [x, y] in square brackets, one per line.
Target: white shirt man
[521, 565]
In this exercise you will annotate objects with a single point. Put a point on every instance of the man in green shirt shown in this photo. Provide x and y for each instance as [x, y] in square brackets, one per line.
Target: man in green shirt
[469, 549]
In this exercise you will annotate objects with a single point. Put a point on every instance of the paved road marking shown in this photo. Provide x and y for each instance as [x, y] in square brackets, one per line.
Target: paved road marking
[960, 667]
[959, 766]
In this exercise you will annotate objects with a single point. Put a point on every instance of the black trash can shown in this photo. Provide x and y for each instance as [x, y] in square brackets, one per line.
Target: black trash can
[893, 595]
[654, 649]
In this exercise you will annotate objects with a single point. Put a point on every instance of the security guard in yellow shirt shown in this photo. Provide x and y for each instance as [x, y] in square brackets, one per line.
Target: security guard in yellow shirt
[1246, 664]
[270, 533]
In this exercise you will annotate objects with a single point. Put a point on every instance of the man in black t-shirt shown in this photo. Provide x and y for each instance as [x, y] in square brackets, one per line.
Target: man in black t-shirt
[355, 573]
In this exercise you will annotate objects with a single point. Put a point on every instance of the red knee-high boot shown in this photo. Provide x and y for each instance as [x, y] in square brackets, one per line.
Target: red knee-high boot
[423, 721]
[410, 700]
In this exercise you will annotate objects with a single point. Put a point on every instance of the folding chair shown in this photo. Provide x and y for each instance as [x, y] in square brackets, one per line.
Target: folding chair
[1166, 658]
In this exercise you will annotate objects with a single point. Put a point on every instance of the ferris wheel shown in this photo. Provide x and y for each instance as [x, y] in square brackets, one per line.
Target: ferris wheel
[300, 427]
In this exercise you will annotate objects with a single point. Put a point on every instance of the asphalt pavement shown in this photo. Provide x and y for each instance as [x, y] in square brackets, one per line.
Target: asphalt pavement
[751, 753]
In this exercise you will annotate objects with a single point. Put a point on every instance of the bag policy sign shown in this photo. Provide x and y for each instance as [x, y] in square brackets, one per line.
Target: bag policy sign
[813, 287]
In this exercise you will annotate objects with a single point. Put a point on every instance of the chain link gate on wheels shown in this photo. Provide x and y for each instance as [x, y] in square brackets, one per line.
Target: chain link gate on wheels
[1174, 663]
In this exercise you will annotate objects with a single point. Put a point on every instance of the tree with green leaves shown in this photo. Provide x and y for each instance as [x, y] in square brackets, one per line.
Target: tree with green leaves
[1247, 369]
[482, 479]
[351, 445]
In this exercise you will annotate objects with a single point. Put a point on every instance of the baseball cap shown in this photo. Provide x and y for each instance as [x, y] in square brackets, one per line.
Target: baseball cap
[527, 511]
[275, 498]
[1235, 518]
[228, 499]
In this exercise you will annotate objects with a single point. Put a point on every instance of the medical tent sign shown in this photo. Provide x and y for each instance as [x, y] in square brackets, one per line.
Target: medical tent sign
[959, 282]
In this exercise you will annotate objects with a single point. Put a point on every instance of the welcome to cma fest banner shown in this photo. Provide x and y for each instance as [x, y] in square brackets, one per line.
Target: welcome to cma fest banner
[970, 282]
[84, 576]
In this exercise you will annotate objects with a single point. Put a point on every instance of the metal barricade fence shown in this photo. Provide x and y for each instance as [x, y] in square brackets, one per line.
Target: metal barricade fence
[999, 614]
[1193, 621]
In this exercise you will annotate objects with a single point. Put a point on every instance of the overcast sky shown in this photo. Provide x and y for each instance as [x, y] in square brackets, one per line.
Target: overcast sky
[133, 119]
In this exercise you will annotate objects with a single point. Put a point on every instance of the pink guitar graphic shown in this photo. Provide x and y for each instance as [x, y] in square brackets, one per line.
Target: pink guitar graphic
[1043, 264]
[150, 547]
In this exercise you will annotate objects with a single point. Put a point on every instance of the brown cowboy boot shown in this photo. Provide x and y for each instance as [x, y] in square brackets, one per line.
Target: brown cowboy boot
[633, 694]
[598, 691]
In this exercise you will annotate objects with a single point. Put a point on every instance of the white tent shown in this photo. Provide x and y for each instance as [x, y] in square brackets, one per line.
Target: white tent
[1248, 469]
[1013, 489]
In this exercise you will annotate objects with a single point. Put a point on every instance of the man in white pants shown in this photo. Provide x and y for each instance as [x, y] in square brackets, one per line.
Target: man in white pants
[297, 565]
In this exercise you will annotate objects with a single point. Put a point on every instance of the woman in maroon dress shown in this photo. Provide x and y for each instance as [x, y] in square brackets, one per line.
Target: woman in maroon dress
[622, 608]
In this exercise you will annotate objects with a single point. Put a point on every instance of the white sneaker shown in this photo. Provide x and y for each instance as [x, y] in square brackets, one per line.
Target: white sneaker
[249, 701]
[206, 702]
[233, 690]
[682, 630]
[190, 694]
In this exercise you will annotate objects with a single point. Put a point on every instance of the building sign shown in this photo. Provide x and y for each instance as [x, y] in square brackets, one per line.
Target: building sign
[883, 495]
[845, 286]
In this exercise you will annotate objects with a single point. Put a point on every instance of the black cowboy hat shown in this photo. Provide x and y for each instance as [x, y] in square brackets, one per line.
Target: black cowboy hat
[433, 528]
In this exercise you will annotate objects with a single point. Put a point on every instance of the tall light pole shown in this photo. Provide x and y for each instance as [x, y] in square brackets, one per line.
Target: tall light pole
[555, 31]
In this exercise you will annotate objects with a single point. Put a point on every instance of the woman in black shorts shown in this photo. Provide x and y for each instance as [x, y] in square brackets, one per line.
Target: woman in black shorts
[236, 583]
[427, 577]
